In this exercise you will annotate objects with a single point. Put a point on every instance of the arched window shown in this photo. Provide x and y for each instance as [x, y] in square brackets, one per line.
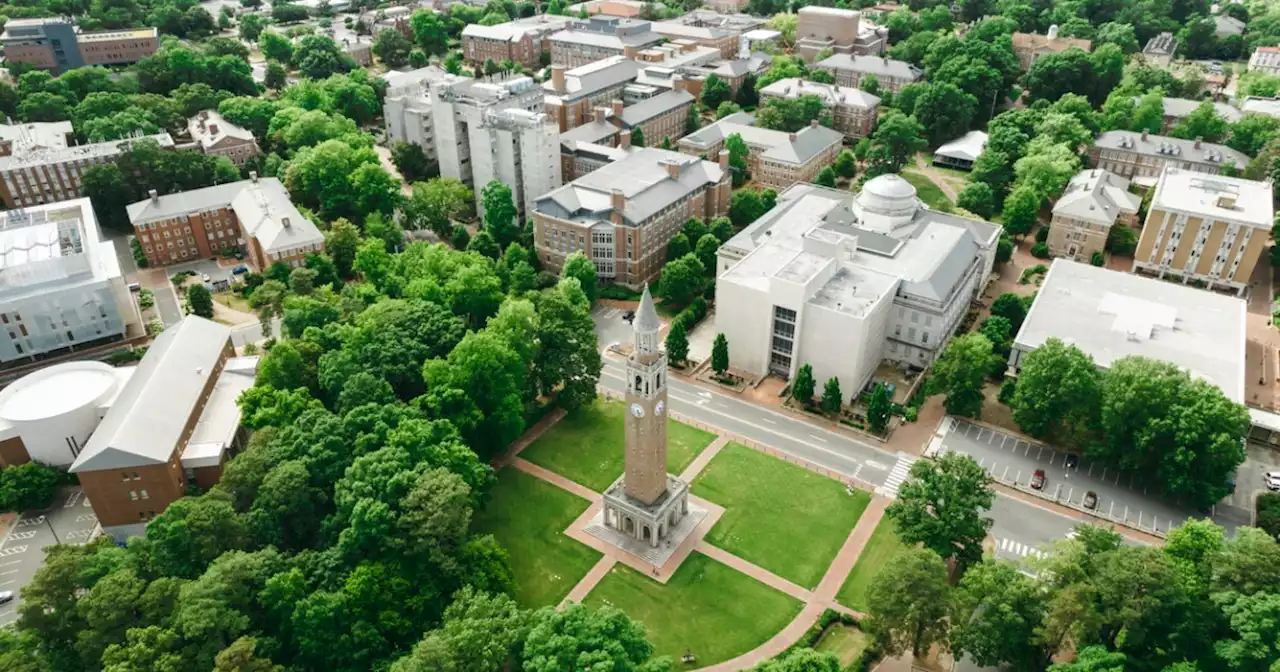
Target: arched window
[637, 383]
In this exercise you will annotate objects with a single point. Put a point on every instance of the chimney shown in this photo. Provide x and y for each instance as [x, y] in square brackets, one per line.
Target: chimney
[617, 108]
[624, 139]
[813, 123]
[557, 78]
[673, 168]
[253, 176]
[1144, 135]
[155, 196]
[619, 203]
[629, 52]
[791, 137]
[724, 159]
[1198, 139]
[599, 113]
[213, 129]
[284, 221]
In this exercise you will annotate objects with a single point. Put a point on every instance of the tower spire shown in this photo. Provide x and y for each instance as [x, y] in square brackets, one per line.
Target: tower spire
[646, 315]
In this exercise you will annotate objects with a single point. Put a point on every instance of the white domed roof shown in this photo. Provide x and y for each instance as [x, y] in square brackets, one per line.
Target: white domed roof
[889, 187]
[887, 202]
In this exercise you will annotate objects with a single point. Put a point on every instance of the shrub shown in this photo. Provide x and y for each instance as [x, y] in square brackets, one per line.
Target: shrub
[1097, 258]
[154, 326]
[1122, 241]
[618, 293]
[27, 486]
[1040, 251]
[138, 257]
[1042, 234]
[146, 299]
[692, 314]
[1007, 388]
[1269, 513]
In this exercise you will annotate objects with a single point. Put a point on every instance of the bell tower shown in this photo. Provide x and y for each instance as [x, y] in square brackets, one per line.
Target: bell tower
[646, 433]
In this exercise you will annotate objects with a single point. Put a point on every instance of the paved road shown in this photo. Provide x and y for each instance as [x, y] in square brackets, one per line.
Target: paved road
[252, 332]
[167, 303]
[1010, 458]
[69, 521]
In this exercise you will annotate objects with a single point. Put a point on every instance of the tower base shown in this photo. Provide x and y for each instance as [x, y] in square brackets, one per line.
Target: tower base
[647, 523]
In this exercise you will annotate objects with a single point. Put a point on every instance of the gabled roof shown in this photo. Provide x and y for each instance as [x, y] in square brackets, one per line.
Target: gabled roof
[794, 87]
[872, 65]
[1097, 196]
[643, 180]
[780, 145]
[966, 147]
[262, 205]
[147, 419]
[654, 107]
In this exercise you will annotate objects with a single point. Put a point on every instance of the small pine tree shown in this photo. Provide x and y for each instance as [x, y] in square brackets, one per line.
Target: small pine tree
[878, 407]
[831, 399]
[720, 355]
[637, 137]
[677, 343]
[803, 387]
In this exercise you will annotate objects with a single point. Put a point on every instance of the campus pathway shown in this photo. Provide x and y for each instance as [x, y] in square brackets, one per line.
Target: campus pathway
[937, 178]
[815, 601]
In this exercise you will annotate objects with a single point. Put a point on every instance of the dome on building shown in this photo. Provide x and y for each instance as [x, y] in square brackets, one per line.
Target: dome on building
[54, 410]
[887, 201]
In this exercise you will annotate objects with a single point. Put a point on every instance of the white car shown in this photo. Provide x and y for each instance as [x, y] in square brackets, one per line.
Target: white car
[6, 596]
[1272, 479]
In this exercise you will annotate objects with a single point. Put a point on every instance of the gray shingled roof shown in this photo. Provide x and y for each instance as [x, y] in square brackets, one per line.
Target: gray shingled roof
[262, 207]
[644, 181]
[1130, 141]
[655, 107]
[591, 132]
[808, 142]
[148, 417]
[873, 65]
[1097, 196]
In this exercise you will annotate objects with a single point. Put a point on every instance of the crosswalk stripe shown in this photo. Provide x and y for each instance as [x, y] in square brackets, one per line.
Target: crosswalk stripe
[900, 472]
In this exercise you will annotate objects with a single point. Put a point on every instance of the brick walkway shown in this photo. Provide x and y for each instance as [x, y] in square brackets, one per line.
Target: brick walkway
[703, 459]
[530, 435]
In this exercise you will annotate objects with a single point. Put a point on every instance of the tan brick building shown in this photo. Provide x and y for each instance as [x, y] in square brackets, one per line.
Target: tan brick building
[664, 116]
[841, 30]
[623, 214]
[58, 45]
[571, 95]
[600, 37]
[777, 159]
[1093, 202]
[174, 422]
[253, 215]
[523, 41]
[1205, 229]
[716, 38]
[39, 165]
[216, 136]
[850, 70]
[1030, 46]
[853, 111]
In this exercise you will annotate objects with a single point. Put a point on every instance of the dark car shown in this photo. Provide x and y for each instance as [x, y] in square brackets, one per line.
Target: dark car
[1037, 480]
[1071, 461]
[240, 270]
[629, 315]
[1091, 500]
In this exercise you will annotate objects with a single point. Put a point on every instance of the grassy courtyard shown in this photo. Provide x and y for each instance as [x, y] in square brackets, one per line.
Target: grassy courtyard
[587, 445]
[528, 517]
[845, 642]
[881, 549]
[784, 518]
[930, 193]
[706, 608]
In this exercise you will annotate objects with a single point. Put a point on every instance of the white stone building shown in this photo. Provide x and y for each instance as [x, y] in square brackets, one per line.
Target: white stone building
[60, 283]
[1265, 60]
[495, 129]
[844, 282]
[407, 107]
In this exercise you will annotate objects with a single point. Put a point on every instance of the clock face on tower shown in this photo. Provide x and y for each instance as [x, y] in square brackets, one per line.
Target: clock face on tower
[637, 410]
[657, 410]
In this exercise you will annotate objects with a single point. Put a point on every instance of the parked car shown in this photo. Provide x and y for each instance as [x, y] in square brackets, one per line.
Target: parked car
[1037, 480]
[1272, 479]
[6, 596]
[240, 270]
[205, 277]
[629, 315]
[135, 287]
[1091, 500]
[1071, 461]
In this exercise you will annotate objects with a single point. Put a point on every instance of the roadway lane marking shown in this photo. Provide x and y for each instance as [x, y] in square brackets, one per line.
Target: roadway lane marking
[818, 438]
[768, 421]
[11, 562]
[875, 465]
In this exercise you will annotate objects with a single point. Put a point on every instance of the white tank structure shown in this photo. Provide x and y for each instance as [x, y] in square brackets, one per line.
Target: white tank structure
[54, 410]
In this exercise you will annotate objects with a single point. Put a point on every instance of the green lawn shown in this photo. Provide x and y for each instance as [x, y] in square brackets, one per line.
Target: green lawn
[845, 642]
[784, 518]
[928, 192]
[881, 549]
[706, 608]
[587, 445]
[528, 517]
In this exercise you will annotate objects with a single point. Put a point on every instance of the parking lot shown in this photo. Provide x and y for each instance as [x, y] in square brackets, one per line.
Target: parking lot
[611, 329]
[1012, 459]
[69, 521]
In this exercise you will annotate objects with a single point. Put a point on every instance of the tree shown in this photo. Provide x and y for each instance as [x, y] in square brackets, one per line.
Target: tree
[846, 166]
[942, 109]
[879, 407]
[1204, 123]
[1149, 113]
[1058, 394]
[678, 246]
[318, 57]
[499, 212]
[996, 613]
[275, 47]
[941, 505]
[568, 361]
[738, 154]
[241, 657]
[747, 94]
[977, 197]
[637, 137]
[250, 26]
[190, 533]
[485, 368]
[720, 355]
[200, 300]
[569, 638]
[1020, 210]
[715, 91]
[578, 266]
[483, 244]
[275, 77]
[411, 161]
[428, 32]
[826, 178]
[681, 279]
[803, 387]
[341, 242]
[434, 205]
[907, 603]
[708, 246]
[1093, 659]
[1053, 75]
[831, 398]
[480, 631]
[745, 207]
[1252, 132]
[1009, 306]
[27, 486]
[959, 373]
[392, 47]
[677, 343]
[896, 139]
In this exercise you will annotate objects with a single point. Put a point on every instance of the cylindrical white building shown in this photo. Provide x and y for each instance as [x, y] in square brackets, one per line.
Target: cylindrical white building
[54, 410]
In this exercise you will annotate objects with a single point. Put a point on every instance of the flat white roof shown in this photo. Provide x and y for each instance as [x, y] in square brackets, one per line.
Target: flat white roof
[56, 390]
[1109, 315]
[1231, 199]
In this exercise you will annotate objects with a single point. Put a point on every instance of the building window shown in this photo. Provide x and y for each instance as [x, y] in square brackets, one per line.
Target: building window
[144, 494]
[133, 495]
